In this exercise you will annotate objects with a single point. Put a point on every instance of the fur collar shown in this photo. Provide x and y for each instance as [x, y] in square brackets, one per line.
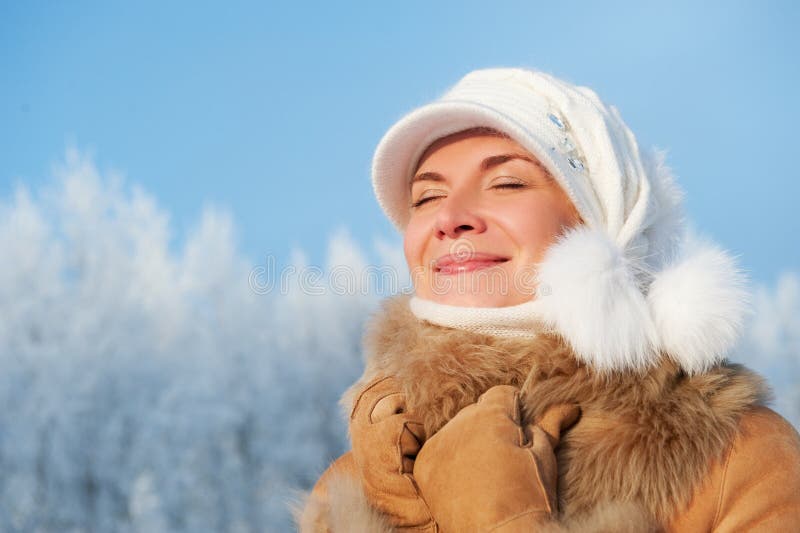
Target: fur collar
[646, 436]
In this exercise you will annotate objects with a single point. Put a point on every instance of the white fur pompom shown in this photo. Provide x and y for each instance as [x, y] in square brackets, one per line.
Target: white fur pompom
[698, 304]
[587, 290]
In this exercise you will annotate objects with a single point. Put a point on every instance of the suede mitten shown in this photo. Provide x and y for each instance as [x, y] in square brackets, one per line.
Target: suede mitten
[386, 440]
[484, 472]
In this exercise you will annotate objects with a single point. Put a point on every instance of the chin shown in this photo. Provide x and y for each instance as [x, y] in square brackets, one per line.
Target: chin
[479, 299]
[481, 288]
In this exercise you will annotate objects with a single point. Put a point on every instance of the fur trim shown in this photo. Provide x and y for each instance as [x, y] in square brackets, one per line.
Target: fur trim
[309, 512]
[699, 304]
[588, 290]
[619, 314]
[646, 438]
[606, 518]
[345, 510]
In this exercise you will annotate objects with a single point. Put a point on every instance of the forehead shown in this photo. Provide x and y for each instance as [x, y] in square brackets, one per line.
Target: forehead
[466, 143]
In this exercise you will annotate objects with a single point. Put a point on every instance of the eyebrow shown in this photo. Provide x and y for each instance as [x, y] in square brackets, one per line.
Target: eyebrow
[487, 164]
[495, 160]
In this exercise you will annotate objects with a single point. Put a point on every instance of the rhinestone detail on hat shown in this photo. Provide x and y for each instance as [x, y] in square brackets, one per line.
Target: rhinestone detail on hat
[576, 163]
[555, 119]
[566, 145]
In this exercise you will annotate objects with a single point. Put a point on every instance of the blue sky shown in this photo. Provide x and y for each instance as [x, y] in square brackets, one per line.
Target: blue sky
[272, 111]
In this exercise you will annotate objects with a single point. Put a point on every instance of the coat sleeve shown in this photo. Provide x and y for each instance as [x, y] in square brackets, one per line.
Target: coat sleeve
[756, 487]
[337, 503]
[761, 483]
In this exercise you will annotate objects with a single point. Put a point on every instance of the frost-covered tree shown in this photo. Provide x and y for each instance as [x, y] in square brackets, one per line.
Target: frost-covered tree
[150, 385]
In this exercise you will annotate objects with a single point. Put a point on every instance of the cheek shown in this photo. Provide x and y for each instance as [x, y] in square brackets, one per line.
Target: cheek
[535, 225]
[413, 245]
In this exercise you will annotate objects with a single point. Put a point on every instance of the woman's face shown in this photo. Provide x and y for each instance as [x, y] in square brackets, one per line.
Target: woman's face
[483, 213]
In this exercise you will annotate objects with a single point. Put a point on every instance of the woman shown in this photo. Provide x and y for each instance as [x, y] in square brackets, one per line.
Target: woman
[561, 365]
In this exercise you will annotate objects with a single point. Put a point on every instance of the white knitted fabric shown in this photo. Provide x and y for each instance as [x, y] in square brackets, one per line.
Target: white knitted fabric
[511, 321]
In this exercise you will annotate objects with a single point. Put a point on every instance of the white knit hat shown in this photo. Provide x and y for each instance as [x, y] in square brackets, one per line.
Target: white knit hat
[624, 286]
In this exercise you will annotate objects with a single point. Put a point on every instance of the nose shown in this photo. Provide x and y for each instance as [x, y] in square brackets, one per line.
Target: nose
[456, 217]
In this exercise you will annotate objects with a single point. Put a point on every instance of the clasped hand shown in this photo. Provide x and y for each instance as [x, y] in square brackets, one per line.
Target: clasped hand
[482, 471]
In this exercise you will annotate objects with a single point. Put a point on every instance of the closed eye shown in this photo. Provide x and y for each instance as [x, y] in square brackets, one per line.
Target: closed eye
[424, 200]
[508, 182]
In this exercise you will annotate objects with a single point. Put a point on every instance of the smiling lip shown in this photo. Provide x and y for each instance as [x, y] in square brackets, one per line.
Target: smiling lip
[454, 264]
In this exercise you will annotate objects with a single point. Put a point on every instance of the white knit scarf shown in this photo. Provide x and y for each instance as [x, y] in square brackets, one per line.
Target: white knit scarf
[511, 321]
